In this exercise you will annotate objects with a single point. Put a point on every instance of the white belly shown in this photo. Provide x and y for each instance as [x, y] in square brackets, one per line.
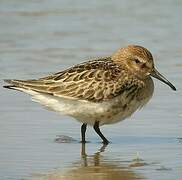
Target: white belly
[107, 112]
[88, 112]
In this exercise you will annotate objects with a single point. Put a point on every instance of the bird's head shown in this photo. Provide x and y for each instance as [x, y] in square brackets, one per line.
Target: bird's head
[139, 61]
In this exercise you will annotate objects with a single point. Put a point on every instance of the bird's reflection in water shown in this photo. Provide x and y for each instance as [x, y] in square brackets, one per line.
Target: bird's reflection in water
[94, 167]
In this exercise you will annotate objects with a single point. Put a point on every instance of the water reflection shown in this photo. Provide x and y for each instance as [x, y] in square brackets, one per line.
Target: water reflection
[93, 167]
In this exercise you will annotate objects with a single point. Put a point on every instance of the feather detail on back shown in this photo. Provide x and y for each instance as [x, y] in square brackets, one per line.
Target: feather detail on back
[96, 80]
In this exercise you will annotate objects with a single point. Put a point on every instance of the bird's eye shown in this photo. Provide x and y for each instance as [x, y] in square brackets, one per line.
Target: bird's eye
[137, 61]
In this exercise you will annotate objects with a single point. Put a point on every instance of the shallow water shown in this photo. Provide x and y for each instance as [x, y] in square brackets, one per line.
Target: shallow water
[40, 37]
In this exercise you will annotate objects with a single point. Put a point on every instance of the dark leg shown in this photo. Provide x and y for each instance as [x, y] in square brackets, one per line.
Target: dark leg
[97, 130]
[83, 130]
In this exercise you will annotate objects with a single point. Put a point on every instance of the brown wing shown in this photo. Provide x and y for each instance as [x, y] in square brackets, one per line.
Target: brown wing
[96, 80]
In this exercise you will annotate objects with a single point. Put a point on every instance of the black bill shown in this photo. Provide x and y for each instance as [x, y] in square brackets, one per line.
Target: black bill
[160, 77]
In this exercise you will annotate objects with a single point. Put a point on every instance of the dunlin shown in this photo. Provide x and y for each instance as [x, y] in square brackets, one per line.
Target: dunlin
[97, 92]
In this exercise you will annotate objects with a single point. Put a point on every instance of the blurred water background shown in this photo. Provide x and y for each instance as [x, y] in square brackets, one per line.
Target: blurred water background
[38, 37]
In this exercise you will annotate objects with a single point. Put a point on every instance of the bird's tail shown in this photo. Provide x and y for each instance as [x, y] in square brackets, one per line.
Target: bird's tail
[13, 84]
[24, 85]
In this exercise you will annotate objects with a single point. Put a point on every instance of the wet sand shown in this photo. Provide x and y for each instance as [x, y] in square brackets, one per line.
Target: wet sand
[41, 37]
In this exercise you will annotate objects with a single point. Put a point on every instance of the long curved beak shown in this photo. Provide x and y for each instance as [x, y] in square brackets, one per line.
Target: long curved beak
[160, 77]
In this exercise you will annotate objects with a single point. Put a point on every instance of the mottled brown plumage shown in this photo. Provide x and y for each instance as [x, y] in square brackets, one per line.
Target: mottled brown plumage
[96, 80]
[102, 91]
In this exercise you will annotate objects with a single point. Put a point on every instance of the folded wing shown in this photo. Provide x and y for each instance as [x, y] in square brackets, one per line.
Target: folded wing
[96, 80]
